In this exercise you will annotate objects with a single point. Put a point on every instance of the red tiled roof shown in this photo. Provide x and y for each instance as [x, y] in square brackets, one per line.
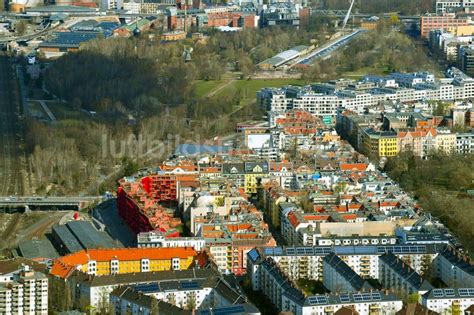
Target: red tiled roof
[62, 266]
[354, 166]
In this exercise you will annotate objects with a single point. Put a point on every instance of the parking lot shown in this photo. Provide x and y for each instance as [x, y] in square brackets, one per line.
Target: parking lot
[107, 214]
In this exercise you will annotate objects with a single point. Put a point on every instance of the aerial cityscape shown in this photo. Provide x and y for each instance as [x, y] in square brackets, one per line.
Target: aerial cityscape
[305, 157]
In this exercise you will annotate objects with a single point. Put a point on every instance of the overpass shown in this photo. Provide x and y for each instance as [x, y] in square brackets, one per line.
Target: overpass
[22, 204]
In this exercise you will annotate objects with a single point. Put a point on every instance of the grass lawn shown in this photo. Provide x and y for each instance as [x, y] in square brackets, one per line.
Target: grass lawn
[362, 72]
[249, 88]
[63, 111]
[311, 287]
[205, 87]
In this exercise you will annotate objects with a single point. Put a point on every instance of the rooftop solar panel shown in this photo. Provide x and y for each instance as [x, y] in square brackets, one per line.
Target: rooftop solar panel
[189, 285]
[149, 287]
[376, 296]
[278, 251]
[239, 309]
[438, 293]
[449, 292]
[345, 298]
[268, 251]
[463, 292]
[357, 297]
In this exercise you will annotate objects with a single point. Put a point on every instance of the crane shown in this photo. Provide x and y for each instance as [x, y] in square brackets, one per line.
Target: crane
[348, 15]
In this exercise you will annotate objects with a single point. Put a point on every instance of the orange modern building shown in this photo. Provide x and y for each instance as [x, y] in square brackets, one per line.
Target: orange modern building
[444, 22]
[124, 260]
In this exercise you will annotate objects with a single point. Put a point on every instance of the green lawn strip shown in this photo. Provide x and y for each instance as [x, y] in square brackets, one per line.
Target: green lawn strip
[249, 88]
[205, 87]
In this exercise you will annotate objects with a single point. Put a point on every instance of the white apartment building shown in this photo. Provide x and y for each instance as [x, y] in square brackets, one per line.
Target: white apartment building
[396, 274]
[338, 277]
[449, 300]
[24, 292]
[465, 143]
[317, 104]
[445, 141]
[307, 261]
[285, 295]
[365, 303]
[153, 239]
[325, 99]
[129, 300]
[443, 6]
[202, 284]
[455, 270]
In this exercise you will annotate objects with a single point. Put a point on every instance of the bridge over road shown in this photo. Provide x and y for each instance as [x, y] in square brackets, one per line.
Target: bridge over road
[21, 204]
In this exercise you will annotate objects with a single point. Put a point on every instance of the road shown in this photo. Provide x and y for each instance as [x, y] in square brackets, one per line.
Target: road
[12, 173]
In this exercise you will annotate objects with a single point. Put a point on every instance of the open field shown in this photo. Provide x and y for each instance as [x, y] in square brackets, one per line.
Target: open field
[205, 87]
[248, 88]
[64, 111]
[363, 72]
[252, 85]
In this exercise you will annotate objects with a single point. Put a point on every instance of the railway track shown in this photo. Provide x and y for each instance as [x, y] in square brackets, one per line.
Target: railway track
[10, 231]
[11, 152]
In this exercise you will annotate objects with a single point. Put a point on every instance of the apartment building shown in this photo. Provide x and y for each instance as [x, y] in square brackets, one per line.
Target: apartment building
[379, 143]
[307, 261]
[430, 22]
[228, 242]
[125, 260]
[338, 277]
[454, 269]
[445, 141]
[442, 6]
[465, 143]
[208, 289]
[24, 291]
[449, 300]
[326, 99]
[287, 297]
[395, 274]
[129, 300]
[421, 142]
[465, 59]
[155, 239]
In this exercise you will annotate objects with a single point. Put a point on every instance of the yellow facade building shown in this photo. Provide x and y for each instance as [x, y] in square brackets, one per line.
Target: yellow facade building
[125, 260]
[379, 143]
